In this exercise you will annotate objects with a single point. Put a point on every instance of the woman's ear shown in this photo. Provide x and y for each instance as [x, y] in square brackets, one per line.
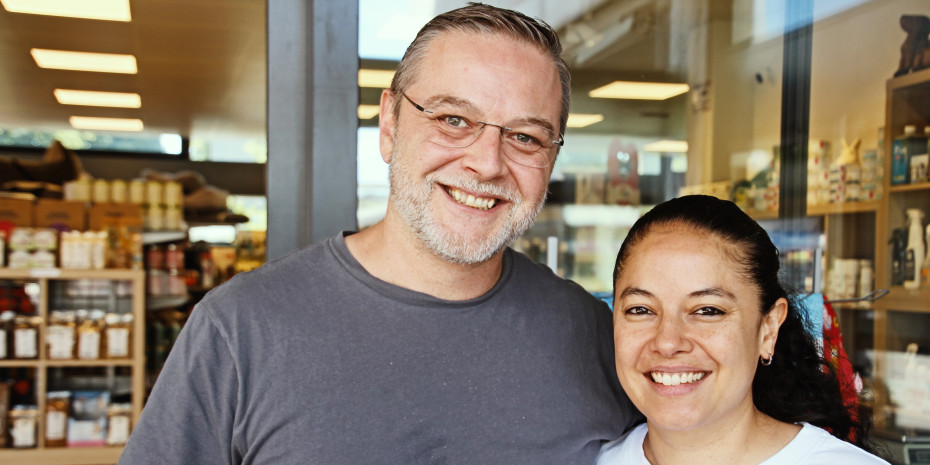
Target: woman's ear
[386, 125]
[768, 332]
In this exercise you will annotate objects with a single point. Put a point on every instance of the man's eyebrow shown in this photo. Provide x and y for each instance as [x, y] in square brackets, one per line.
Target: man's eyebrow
[445, 99]
[713, 291]
[465, 104]
[629, 291]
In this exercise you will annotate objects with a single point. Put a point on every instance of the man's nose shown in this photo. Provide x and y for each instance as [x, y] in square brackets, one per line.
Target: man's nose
[486, 155]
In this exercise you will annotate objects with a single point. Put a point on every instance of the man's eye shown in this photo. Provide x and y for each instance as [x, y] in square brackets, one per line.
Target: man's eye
[455, 121]
[525, 139]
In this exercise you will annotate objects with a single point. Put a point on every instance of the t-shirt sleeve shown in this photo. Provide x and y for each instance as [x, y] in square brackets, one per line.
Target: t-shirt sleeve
[189, 417]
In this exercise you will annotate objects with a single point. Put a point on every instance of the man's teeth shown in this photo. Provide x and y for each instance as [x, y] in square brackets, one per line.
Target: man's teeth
[674, 379]
[472, 201]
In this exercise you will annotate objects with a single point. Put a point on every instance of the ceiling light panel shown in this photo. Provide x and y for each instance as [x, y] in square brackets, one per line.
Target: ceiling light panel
[580, 120]
[106, 124]
[98, 99]
[368, 111]
[667, 146]
[85, 61]
[109, 10]
[639, 90]
[377, 78]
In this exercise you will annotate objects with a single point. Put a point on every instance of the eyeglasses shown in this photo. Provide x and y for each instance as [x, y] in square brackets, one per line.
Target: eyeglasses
[525, 143]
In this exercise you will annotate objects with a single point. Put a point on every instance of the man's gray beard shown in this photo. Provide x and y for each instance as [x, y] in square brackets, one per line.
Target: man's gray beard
[412, 203]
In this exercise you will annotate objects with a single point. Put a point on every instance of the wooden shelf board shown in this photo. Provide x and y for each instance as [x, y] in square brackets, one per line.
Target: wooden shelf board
[63, 273]
[62, 455]
[909, 80]
[920, 186]
[907, 300]
[841, 208]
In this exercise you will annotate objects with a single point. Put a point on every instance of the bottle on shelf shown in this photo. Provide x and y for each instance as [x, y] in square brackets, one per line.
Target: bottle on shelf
[925, 267]
[915, 248]
[904, 148]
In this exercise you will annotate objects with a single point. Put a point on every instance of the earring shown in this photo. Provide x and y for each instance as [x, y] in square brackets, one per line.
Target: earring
[766, 362]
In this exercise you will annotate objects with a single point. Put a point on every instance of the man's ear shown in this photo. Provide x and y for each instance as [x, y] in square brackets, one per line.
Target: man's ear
[386, 125]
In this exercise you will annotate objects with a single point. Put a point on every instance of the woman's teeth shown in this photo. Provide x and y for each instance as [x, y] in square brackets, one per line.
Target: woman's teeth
[674, 379]
[470, 200]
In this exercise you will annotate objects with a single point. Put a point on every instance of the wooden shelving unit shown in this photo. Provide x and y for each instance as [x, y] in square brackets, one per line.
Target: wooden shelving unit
[42, 455]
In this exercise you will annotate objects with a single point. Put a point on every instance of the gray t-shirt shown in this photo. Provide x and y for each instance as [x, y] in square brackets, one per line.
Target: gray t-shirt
[311, 360]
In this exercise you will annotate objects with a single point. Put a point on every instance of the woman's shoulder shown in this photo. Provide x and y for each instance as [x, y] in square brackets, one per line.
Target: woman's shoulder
[815, 446]
[627, 449]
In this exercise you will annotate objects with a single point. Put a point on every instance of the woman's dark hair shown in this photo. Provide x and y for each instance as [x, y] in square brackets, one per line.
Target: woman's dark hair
[799, 385]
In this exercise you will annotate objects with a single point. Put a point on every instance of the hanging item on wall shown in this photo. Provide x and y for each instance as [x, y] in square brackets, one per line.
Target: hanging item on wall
[915, 51]
[622, 174]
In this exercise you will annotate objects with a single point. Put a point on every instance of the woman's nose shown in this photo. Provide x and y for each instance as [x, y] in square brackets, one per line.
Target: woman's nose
[671, 336]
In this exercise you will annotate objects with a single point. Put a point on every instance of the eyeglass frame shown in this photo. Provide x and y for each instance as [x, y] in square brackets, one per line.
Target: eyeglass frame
[560, 141]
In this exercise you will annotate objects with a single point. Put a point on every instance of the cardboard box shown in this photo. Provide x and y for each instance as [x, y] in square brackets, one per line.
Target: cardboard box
[63, 215]
[114, 215]
[16, 212]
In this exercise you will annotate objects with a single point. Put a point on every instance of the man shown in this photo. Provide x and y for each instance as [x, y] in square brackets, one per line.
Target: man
[422, 339]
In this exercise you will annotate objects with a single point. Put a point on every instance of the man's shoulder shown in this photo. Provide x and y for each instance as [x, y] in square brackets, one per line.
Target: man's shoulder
[542, 280]
[294, 271]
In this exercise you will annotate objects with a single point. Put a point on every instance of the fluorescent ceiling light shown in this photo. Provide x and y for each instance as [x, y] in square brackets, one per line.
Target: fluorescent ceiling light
[110, 10]
[580, 120]
[85, 61]
[368, 111]
[667, 146]
[639, 90]
[377, 78]
[106, 124]
[98, 99]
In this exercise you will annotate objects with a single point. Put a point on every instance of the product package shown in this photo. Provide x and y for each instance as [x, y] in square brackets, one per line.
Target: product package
[87, 425]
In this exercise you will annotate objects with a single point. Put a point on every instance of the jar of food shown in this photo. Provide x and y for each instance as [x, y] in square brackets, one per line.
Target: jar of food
[23, 421]
[56, 418]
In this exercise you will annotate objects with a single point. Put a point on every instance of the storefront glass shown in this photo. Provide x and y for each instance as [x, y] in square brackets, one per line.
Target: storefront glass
[795, 110]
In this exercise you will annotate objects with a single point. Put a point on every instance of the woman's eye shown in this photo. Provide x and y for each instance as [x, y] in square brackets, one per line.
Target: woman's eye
[709, 311]
[637, 311]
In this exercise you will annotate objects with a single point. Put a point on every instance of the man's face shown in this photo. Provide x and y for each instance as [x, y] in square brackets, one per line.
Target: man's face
[467, 204]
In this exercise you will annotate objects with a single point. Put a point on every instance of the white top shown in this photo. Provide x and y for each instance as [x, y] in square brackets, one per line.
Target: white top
[812, 446]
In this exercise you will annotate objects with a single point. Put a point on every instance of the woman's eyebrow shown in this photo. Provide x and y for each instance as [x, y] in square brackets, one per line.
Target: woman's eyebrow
[634, 291]
[714, 292]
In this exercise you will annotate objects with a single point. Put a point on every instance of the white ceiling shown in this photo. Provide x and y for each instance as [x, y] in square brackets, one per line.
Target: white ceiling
[202, 65]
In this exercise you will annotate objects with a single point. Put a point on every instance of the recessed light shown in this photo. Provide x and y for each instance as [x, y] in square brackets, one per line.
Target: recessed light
[98, 99]
[639, 90]
[667, 146]
[106, 124]
[110, 10]
[85, 61]
[377, 78]
[368, 111]
[580, 120]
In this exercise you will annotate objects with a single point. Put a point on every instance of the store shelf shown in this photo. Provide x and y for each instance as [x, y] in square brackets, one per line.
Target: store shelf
[919, 186]
[908, 300]
[913, 79]
[63, 273]
[161, 237]
[131, 383]
[63, 455]
[65, 363]
[153, 303]
[842, 208]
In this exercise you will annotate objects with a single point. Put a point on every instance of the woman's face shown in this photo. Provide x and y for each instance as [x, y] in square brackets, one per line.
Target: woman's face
[688, 330]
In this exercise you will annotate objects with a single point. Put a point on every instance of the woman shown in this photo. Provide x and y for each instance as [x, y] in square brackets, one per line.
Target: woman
[712, 352]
